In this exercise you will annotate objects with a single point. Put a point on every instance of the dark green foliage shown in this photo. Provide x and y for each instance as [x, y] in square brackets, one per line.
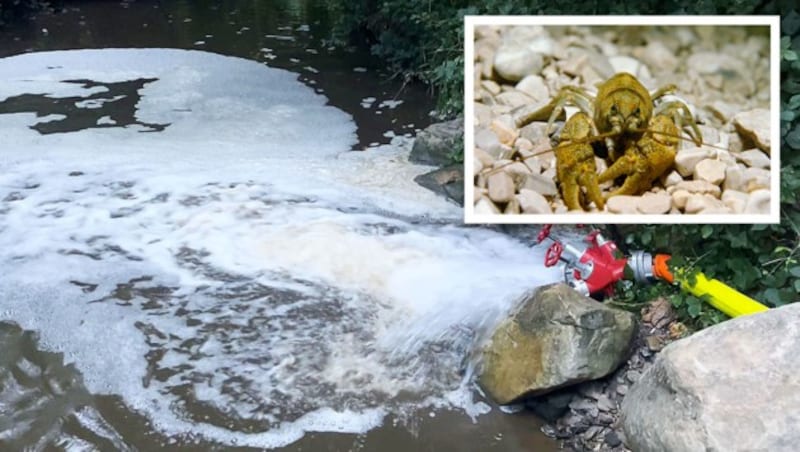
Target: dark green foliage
[15, 9]
[424, 39]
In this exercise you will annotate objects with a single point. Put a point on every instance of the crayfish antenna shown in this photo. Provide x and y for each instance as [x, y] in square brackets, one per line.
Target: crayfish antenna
[681, 137]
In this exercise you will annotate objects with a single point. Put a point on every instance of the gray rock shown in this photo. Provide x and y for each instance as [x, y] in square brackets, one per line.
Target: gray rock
[477, 166]
[697, 186]
[514, 99]
[513, 62]
[731, 387]
[687, 159]
[533, 85]
[486, 140]
[657, 56]
[709, 170]
[551, 406]
[612, 439]
[541, 184]
[758, 202]
[605, 404]
[754, 158]
[654, 203]
[697, 203]
[755, 125]
[532, 202]
[485, 206]
[483, 113]
[735, 200]
[734, 178]
[623, 204]
[501, 187]
[556, 338]
[447, 181]
[755, 179]
[486, 160]
[435, 144]
[503, 127]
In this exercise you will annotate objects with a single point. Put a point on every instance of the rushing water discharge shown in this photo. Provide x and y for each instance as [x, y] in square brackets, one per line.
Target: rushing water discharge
[195, 236]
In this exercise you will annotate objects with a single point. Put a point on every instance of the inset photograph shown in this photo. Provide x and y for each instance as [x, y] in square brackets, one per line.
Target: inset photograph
[604, 120]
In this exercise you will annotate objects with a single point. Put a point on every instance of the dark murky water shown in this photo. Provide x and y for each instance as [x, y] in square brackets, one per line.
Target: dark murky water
[292, 35]
[44, 402]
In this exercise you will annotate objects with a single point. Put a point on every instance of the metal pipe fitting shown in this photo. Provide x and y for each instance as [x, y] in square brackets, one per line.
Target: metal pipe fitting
[641, 263]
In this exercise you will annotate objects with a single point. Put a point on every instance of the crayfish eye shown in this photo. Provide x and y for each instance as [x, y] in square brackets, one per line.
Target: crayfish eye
[613, 109]
[636, 112]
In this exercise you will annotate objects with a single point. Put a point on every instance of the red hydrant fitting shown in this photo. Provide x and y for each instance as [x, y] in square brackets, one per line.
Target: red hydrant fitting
[594, 265]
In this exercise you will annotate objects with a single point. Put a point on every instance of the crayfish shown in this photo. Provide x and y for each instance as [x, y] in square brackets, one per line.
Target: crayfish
[639, 130]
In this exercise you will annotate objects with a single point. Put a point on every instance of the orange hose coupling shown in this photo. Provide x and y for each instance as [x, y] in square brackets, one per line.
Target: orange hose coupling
[661, 269]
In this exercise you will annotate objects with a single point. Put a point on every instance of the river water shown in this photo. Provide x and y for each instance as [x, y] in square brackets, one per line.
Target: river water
[194, 257]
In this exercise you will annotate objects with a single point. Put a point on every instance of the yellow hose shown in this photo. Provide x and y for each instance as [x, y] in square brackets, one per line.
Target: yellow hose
[720, 295]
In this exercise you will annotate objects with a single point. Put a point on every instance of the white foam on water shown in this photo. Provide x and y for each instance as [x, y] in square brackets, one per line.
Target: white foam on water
[242, 259]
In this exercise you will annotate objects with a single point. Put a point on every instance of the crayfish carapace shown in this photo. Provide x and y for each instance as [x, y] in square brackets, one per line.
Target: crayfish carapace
[639, 130]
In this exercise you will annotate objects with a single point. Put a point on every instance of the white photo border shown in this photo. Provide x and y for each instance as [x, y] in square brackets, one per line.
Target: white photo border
[470, 217]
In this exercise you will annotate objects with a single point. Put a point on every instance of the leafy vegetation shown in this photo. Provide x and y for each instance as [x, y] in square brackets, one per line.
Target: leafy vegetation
[423, 39]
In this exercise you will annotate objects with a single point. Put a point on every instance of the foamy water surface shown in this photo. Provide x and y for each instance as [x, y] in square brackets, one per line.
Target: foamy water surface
[223, 262]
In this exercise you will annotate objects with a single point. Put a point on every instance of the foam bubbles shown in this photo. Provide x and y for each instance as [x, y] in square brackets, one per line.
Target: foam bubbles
[219, 258]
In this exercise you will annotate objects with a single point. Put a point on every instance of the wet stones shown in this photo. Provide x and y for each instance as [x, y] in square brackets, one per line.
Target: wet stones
[447, 181]
[529, 66]
[587, 416]
[435, 144]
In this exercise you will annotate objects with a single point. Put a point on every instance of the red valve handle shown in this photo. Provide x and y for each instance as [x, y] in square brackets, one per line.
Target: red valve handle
[544, 233]
[553, 254]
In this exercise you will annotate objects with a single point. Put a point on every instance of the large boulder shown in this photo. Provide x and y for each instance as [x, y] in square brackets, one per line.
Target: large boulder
[435, 145]
[732, 387]
[556, 338]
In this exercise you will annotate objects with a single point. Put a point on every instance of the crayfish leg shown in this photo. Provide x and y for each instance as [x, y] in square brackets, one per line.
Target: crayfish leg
[571, 193]
[589, 180]
[681, 115]
[634, 167]
[571, 95]
[575, 167]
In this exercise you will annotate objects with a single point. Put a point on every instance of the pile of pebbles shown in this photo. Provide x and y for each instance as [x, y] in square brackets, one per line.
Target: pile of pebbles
[587, 416]
[721, 72]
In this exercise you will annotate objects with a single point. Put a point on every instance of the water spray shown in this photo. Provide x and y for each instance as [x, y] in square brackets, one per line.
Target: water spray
[593, 265]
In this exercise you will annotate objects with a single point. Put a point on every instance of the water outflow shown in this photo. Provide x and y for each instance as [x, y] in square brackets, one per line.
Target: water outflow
[218, 258]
